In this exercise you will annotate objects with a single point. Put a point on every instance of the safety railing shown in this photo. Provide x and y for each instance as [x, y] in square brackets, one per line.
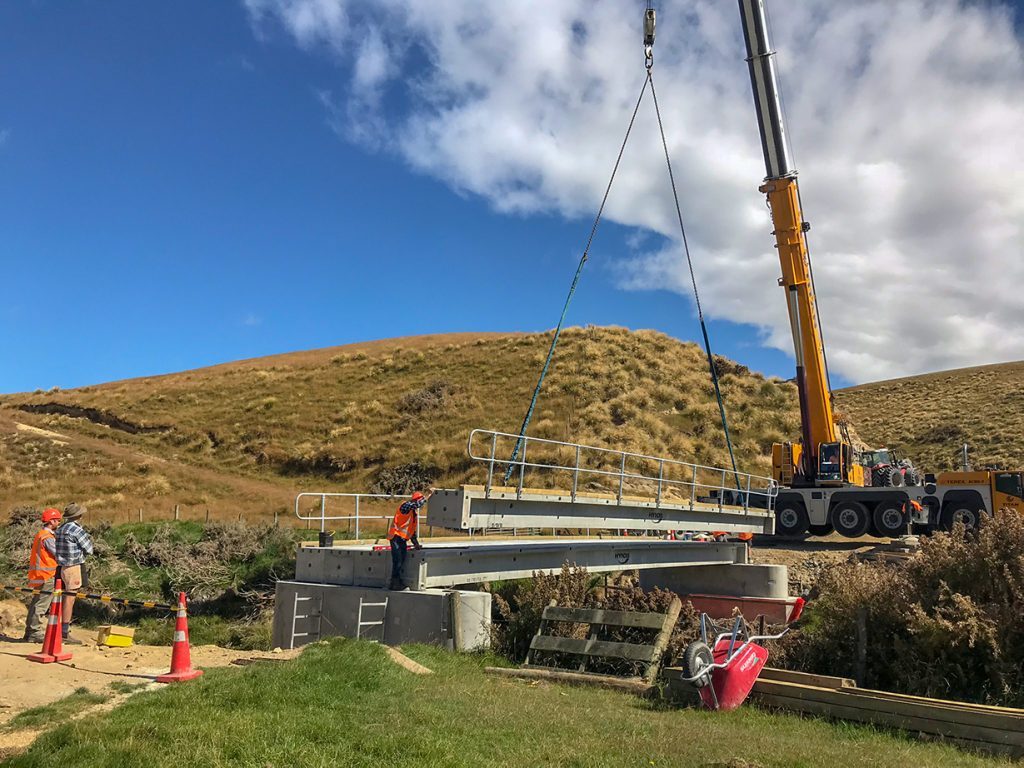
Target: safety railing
[665, 481]
[357, 514]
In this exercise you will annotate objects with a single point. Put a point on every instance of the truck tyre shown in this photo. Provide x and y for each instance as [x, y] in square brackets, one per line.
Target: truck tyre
[889, 519]
[850, 519]
[791, 519]
[696, 657]
[821, 530]
[960, 512]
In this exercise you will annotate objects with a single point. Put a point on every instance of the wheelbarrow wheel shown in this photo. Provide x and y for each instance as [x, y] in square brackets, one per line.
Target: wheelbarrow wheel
[697, 657]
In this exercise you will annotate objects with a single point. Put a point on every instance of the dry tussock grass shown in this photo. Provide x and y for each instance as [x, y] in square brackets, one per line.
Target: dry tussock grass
[950, 624]
[342, 420]
[930, 417]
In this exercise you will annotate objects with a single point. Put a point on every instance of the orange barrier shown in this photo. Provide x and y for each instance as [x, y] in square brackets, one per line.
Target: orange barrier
[53, 641]
[181, 655]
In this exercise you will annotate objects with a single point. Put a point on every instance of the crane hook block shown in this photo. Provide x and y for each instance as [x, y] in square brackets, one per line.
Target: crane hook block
[649, 28]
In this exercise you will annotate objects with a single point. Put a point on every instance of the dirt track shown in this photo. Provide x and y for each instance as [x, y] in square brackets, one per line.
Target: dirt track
[806, 559]
[27, 685]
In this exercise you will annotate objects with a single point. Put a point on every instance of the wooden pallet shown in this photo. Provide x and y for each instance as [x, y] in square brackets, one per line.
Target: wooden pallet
[586, 650]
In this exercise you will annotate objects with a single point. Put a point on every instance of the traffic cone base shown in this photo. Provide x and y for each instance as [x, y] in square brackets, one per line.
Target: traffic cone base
[52, 649]
[181, 656]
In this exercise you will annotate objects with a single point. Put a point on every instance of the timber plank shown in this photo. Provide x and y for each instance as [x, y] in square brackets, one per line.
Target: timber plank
[1004, 742]
[609, 618]
[628, 651]
[911, 715]
[805, 678]
[664, 635]
[629, 684]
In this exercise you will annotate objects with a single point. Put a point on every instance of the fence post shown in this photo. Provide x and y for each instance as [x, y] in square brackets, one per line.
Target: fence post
[622, 475]
[207, 514]
[176, 512]
[862, 646]
[140, 515]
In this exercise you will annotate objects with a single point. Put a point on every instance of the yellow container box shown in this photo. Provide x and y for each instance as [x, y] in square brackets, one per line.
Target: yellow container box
[114, 636]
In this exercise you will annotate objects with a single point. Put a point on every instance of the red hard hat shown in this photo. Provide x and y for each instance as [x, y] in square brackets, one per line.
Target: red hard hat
[417, 496]
[50, 514]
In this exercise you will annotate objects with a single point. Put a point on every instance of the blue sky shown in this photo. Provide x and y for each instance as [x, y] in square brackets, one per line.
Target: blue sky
[173, 194]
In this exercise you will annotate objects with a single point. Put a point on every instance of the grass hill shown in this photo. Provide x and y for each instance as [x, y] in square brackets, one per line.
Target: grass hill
[378, 415]
[385, 415]
[931, 416]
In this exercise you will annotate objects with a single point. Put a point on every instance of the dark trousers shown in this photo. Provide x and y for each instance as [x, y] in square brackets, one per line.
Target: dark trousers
[398, 550]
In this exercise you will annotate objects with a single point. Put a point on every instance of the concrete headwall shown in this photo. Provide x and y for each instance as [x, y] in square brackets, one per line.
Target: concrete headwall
[429, 616]
[733, 580]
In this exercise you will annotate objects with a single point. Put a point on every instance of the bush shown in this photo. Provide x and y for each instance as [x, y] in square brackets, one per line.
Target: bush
[518, 606]
[949, 624]
[405, 478]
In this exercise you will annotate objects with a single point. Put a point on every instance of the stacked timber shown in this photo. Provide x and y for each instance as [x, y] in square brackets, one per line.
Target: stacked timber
[976, 726]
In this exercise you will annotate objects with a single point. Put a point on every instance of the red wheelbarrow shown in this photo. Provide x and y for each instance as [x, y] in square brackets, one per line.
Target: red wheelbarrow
[724, 670]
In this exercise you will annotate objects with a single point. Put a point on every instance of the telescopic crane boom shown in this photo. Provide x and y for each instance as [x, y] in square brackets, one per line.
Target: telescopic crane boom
[822, 457]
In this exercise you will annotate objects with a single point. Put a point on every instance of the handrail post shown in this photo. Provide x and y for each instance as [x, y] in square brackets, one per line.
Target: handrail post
[661, 475]
[357, 517]
[522, 467]
[622, 475]
[693, 487]
[746, 499]
[323, 512]
[576, 474]
[490, 467]
[721, 492]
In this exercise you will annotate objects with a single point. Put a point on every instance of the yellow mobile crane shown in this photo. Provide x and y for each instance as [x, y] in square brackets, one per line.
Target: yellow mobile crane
[824, 484]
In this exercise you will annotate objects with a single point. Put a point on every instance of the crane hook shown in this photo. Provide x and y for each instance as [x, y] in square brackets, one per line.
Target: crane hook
[649, 19]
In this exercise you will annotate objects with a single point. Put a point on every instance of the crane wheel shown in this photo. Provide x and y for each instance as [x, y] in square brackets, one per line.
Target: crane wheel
[850, 519]
[791, 519]
[959, 512]
[889, 519]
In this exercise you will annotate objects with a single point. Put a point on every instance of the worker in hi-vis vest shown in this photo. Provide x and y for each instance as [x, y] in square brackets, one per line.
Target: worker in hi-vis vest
[42, 571]
[403, 530]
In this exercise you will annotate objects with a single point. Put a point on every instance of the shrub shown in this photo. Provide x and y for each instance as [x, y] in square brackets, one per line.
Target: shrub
[949, 624]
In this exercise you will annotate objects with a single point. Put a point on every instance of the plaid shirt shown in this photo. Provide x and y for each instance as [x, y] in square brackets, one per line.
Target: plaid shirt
[412, 506]
[73, 544]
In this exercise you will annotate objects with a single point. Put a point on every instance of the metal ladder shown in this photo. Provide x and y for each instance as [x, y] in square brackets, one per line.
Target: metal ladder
[296, 618]
[359, 620]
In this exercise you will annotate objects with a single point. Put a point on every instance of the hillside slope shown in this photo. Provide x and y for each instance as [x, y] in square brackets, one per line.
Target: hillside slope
[379, 415]
[385, 415]
[929, 417]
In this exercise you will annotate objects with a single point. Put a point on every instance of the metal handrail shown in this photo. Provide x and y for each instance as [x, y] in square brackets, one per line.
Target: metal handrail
[755, 485]
[323, 517]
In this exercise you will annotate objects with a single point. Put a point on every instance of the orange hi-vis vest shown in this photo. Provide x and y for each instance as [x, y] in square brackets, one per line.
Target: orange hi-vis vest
[404, 525]
[42, 566]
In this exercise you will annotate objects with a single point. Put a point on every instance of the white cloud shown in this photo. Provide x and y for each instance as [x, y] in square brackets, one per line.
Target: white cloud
[5, 134]
[905, 120]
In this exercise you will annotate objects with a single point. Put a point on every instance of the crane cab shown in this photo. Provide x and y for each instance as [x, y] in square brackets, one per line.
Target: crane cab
[836, 465]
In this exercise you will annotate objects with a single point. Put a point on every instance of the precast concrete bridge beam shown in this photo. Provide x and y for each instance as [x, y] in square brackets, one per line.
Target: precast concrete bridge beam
[475, 507]
[450, 564]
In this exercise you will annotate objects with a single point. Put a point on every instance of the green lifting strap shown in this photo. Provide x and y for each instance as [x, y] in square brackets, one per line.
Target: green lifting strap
[648, 81]
[572, 290]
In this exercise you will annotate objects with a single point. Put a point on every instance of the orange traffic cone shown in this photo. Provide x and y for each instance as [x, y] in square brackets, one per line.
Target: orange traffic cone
[181, 656]
[53, 642]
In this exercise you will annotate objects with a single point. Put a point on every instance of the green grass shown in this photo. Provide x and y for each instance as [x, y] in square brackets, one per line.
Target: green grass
[49, 714]
[343, 703]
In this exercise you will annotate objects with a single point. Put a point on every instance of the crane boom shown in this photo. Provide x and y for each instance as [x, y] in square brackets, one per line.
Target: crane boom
[780, 185]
